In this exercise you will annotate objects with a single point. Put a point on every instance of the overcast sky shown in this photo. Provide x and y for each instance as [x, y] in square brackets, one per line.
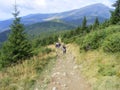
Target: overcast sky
[44, 6]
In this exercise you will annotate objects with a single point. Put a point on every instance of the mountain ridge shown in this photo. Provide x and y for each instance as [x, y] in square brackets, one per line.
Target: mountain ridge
[67, 16]
[37, 24]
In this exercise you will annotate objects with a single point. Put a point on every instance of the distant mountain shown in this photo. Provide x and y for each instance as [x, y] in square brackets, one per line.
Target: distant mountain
[42, 24]
[47, 27]
[72, 17]
[91, 12]
[4, 25]
[4, 36]
[42, 29]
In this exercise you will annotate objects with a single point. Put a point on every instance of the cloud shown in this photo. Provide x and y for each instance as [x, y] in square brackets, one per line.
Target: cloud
[44, 6]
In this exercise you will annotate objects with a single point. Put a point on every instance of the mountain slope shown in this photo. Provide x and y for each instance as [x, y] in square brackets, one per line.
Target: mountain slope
[37, 24]
[4, 35]
[91, 12]
[47, 27]
[95, 10]
[42, 29]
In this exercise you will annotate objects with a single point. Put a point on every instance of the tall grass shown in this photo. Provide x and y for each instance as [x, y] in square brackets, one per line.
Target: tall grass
[24, 76]
[102, 70]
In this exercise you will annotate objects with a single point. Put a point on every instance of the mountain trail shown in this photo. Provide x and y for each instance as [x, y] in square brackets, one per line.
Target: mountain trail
[65, 74]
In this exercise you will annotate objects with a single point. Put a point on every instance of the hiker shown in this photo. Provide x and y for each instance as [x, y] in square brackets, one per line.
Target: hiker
[64, 49]
[57, 45]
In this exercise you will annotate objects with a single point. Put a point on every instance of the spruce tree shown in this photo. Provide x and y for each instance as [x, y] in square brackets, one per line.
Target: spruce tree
[96, 23]
[17, 47]
[115, 15]
[84, 25]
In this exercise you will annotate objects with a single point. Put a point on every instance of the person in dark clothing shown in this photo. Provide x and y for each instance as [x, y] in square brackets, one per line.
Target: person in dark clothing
[64, 49]
[57, 45]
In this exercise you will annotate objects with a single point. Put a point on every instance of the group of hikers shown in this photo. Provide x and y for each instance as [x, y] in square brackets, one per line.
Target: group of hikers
[59, 45]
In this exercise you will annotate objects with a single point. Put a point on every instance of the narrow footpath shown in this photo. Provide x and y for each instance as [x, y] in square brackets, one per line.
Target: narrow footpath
[66, 75]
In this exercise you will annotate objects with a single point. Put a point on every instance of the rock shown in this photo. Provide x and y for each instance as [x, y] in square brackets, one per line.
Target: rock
[58, 73]
[72, 73]
[58, 83]
[75, 67]
[64, 85]
[54, 88]
[54, 74]
[36, 89]
[64, 74]
[54, 83]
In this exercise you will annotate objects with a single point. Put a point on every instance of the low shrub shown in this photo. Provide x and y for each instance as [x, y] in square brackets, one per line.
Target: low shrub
[46, 50]
[112, 43]
[95, 39]
[107, 70]
[92, 40]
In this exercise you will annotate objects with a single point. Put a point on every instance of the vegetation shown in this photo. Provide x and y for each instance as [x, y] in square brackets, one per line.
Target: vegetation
[96, 23]
[112, 43]
[17, 47]
[115, 16]
[99, 68]
[94, 40]
[27, 74]
[23, 72]
[47, 28]
[97, 51]
[84, 23]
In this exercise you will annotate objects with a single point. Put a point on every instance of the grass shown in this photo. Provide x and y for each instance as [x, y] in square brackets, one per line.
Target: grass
[25, 76]
[102, 70]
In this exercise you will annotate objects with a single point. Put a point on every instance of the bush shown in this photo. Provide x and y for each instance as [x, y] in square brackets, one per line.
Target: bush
[46, 50]
[107, 70]
[112, 29]
[92, 40]
[112, 43]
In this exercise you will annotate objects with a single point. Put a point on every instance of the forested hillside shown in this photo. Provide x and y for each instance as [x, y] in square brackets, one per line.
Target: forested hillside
[48, 27]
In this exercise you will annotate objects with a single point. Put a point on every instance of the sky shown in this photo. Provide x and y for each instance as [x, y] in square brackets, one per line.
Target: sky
[27, 7]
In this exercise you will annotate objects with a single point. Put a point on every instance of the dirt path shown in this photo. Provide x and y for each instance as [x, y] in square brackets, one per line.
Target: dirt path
[65, 74]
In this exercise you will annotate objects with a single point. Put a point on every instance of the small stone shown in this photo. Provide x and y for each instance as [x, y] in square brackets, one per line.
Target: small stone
[36, 89]
[64, 74]
[54, 83]
[75, 67]
[54, 88]
[64, 85]
[54, 74]
[58, 73]
[72, 73]
[58, 83]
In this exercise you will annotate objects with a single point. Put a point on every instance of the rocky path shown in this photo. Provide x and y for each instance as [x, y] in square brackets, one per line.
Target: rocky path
[65, 74]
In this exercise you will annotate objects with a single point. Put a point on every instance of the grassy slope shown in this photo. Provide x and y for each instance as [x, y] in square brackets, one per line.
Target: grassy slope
[26, 75]
[91, 64]
[101, 69]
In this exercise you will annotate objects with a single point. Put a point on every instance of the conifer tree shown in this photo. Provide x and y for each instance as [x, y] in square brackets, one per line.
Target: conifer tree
[84, 23]
[17, 47]
[115, 15]
[84, 26]
[96, 23]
